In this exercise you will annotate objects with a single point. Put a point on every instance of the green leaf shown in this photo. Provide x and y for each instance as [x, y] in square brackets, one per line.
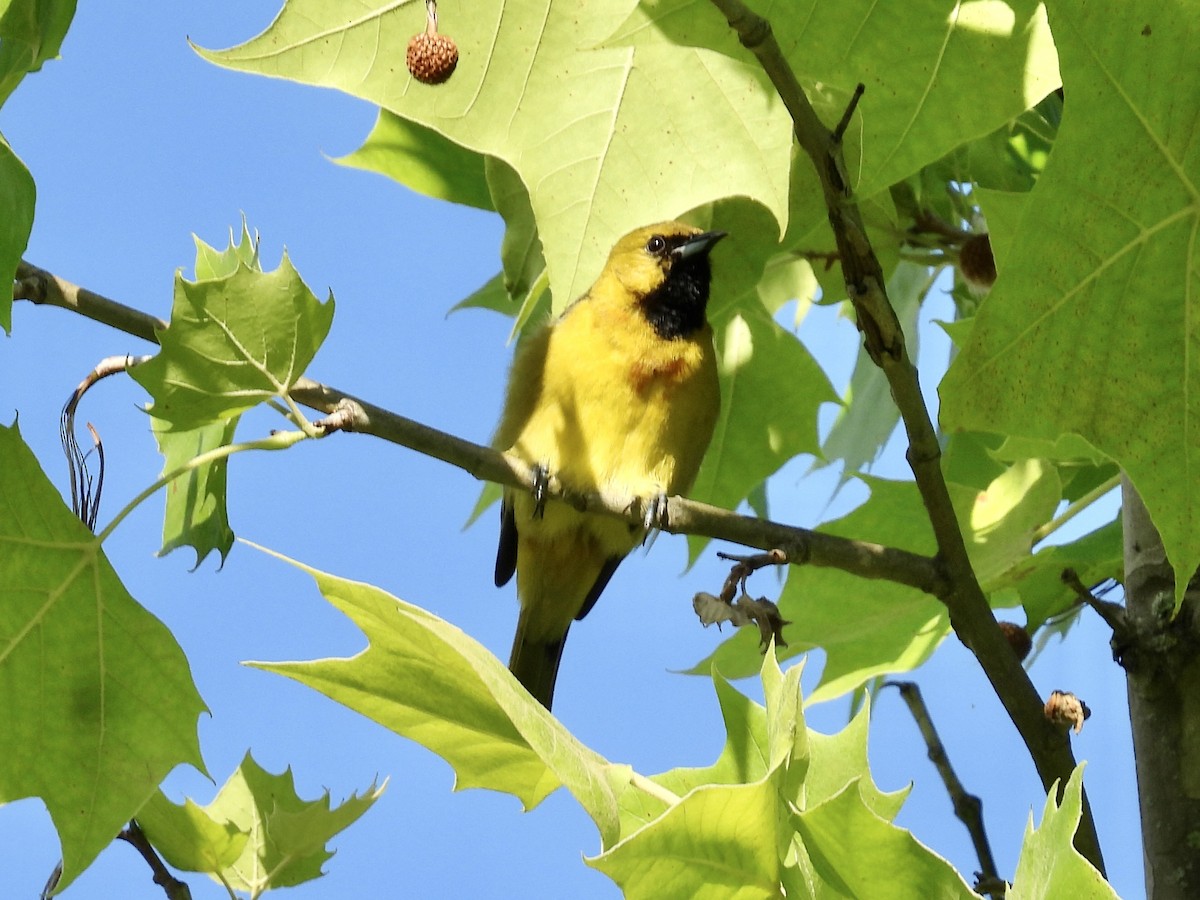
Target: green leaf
[520, 249]
[745, 756]
[864, 855]
[729, 839]
[188, 838]
[1049, 865]
[257, 834]
[424, 160]
[771, 390]
[212, 263]
[115, 707]
[17, 196]
[1013, 156]
[961, 70]
[1003, 518]
[1096, 556]
[196, 515]
[718, 842]
[1098, 270]
[425, 679]
[31, 32]
[234, 341]
[840, 759]
[882, 627]
[664, 128]
[869, 415]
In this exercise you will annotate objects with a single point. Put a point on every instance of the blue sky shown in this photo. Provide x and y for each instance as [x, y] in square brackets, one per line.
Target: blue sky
[136, 144]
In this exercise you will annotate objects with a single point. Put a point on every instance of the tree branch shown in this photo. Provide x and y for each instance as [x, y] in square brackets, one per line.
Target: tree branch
[967, 806]
[883, 338]
[172, 886]
[347, 412]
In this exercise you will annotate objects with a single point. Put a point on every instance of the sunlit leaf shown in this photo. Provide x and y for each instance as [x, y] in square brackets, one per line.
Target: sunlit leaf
[1099, 270]
[1050, 866]
[96, 697]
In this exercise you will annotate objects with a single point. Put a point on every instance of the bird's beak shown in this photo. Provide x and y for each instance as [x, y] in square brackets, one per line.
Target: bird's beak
[699, 244]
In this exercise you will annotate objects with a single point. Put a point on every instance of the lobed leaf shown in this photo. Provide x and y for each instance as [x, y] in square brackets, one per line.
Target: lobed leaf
[1098, 270]
[257, 834]
[96, 697]
[1049, 865]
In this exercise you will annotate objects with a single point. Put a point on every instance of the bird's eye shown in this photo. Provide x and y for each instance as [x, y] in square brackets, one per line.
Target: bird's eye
[656, 245]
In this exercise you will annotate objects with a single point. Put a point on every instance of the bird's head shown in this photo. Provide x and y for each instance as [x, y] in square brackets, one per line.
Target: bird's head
[665, 270]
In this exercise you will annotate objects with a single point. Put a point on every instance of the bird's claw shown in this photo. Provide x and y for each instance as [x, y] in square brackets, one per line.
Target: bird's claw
[655, 518]
[541, 488]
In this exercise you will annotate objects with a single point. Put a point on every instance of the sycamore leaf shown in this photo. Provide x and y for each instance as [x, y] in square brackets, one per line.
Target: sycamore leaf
[726, 840]
[257, 834]
[1003, 519]
[718, 842]
[771, 387]
[869, 415]
[213, 263]
[424, 160]
[1095, 557]
[837, 760]
[31, 32]
[865, 855]
[745, 755]
[961, 70]
[189, 838]
[196, 512]
[115, 707]
[234, 341]
[1049, 865]
[425, 679]
[678, 127]
[1100, 270]
[17, 193]
[733, 834]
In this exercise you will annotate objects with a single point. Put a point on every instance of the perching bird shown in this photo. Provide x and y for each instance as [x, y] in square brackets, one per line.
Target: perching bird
[617, 396]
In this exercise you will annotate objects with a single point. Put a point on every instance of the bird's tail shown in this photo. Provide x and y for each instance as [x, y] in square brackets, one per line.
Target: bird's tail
[535, 661]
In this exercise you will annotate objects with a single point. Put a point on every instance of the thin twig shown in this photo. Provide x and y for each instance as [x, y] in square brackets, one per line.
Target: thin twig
[967, 806]
[172, 886]
[883, 339]
[1115, 615]
[350, 413]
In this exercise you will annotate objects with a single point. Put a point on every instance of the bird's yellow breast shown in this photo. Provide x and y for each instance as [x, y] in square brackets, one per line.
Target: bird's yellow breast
[621, 411]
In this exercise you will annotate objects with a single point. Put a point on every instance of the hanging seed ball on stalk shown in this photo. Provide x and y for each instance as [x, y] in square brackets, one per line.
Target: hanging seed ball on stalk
[431, 57]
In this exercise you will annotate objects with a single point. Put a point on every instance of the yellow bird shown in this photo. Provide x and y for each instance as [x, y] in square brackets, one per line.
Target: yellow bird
[617, 396]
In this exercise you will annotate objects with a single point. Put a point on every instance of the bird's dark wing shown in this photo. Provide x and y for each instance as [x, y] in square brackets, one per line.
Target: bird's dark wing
[506, 551]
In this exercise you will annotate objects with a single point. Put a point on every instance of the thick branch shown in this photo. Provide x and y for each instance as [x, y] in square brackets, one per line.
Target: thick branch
[970, 614]
[802, 546]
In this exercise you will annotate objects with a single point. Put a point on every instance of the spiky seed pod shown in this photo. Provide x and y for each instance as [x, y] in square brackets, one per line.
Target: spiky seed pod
[431, 56]
[1017, 637]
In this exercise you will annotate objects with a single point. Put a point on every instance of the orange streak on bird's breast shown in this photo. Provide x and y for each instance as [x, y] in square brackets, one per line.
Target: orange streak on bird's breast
[643, 374]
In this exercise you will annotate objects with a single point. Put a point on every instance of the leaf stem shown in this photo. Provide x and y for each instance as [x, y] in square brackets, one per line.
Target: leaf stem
[1076, 508]
[280, 440]
[653, 788]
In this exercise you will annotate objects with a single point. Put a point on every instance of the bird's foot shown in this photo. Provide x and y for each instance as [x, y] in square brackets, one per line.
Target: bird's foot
[541, 488]
[655, 512]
